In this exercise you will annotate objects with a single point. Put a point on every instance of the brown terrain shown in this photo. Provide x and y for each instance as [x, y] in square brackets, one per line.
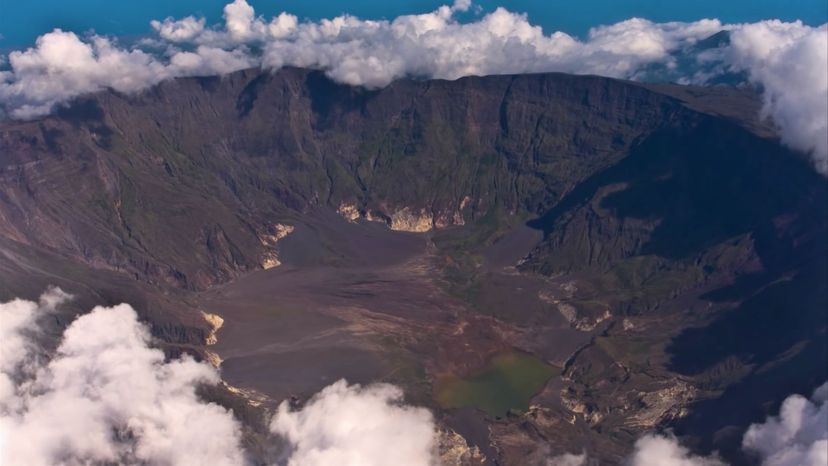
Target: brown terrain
[648, 256]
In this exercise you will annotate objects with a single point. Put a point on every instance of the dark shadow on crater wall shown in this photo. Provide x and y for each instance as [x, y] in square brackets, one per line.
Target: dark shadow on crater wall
[86, 112]
[330, 100]
[703, 185]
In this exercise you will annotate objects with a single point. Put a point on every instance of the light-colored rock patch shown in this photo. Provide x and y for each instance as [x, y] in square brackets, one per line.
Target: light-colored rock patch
[569, 288]
[407, 218]
[216, 322]
[455, 451]
[410, 220]
[548, 297]
[449, 218]
[568, 311]
[278, 231]
[582, 323]
[576, 407]
[663, 405]
[213, 358]
[349, 211]
[270, 257]
[251, 397]
[585, 324]
[270, 260]
[374, 217]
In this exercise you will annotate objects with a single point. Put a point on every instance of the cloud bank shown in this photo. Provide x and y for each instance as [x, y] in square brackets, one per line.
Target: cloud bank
[797, 437]
[371, 428]
[105, 396]
[789, 61]
[658, 450]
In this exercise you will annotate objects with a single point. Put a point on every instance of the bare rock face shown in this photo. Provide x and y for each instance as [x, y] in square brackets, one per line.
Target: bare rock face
[349, 211]
[269, 240]
[216, 322]
[663, 405]
[455, 451]
[408, 220]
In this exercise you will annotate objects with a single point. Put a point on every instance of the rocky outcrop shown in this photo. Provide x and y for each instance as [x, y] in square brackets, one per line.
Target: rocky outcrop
[216, 322]
[349, 211]
[453, 450]
[407, 219]
[660, 406]
[270, 240]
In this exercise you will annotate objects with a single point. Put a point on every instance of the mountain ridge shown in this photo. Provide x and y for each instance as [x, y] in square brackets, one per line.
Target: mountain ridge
[291, 152]
[616, 231]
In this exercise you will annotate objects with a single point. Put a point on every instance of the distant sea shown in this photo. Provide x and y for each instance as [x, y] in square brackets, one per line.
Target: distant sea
[22, 21]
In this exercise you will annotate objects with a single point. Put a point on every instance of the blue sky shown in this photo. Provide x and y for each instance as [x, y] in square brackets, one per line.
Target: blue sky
[22, 22]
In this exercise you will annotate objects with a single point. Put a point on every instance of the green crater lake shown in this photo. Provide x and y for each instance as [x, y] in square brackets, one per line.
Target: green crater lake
[508, 382]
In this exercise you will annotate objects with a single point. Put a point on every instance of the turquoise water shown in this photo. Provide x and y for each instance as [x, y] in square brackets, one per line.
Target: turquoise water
[22, 21]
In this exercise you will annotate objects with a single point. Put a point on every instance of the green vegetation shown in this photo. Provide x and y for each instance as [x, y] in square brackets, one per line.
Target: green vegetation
[508, 382]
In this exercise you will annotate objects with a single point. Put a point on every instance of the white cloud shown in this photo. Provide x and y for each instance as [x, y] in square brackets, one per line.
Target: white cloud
[105, 396]
[179, 31]
[282, 26]
[788, 60]
[19, 355]
[62, 66]
[206, 60]
[374, 53]
[797, 437]
[658, 450]
[461, 5]
[568, 459]
[357, 426]
[646, 41]
[241, 22]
